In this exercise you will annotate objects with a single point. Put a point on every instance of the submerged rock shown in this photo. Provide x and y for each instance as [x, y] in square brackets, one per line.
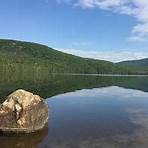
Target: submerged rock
[23, 112]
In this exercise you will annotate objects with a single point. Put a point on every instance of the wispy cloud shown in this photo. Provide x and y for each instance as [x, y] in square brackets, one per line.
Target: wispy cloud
[80, 44]
[113, 56]
[135, 8]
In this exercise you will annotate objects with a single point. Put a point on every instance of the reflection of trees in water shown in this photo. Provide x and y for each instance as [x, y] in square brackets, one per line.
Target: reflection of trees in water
[46, 85]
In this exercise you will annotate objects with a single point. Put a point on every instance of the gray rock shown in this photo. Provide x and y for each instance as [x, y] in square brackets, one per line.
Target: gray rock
[23, 112]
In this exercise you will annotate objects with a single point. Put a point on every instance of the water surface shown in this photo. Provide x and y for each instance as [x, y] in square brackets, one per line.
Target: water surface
[86, 112]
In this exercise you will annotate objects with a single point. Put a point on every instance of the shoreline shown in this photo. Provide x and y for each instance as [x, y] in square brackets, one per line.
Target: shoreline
[102, 75]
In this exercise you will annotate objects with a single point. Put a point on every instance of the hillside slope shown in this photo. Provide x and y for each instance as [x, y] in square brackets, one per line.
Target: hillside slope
[25, 55]
[137, 63]
[140, 65]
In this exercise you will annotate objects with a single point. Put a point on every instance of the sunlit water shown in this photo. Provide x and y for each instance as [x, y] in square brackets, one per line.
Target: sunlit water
[104, 117]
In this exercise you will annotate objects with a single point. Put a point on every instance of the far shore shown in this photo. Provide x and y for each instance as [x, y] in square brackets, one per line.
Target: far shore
[106, 75]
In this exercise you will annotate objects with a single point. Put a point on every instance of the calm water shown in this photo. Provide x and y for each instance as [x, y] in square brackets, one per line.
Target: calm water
[86, 111]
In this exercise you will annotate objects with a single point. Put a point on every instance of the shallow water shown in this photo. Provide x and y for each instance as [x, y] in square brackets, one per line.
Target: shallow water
[97, 112]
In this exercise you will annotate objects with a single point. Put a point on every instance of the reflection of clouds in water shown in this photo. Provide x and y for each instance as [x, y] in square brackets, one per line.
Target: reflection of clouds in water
[137, 114]
[106, 91]
[137, 139]
[117, 141]
[139, 117]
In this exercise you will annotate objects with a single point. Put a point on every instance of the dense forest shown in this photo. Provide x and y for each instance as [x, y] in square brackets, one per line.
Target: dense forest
[18, 56]
[137, 64]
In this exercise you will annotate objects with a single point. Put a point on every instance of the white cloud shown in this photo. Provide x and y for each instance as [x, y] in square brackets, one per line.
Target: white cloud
[113, 56]
[104, 4]
[135, 8]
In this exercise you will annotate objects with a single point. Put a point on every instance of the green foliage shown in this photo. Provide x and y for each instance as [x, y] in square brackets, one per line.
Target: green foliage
[139, 65]
[16, 55]
[48, 85]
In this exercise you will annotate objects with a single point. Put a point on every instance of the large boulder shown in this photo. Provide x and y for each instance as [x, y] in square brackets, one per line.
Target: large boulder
[23, 112]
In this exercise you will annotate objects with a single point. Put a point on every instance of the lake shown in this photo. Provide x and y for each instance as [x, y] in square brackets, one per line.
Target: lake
[86, 111]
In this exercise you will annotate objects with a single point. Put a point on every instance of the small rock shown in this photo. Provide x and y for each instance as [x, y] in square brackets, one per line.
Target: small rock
[23, 112]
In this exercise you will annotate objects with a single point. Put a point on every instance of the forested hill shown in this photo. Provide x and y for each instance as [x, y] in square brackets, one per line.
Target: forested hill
[15, 55]
[136, 63]
[140, 65]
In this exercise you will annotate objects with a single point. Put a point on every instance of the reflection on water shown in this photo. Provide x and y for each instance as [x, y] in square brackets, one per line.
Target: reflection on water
[26, 141]
[107, 117]
[87, 111]
[48, 85]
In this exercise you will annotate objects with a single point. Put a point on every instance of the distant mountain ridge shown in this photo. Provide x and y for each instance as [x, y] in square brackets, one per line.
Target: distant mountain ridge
[136, 63]
[16, 55]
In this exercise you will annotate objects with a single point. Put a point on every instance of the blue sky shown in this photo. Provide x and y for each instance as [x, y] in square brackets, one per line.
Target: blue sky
[113, 30]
